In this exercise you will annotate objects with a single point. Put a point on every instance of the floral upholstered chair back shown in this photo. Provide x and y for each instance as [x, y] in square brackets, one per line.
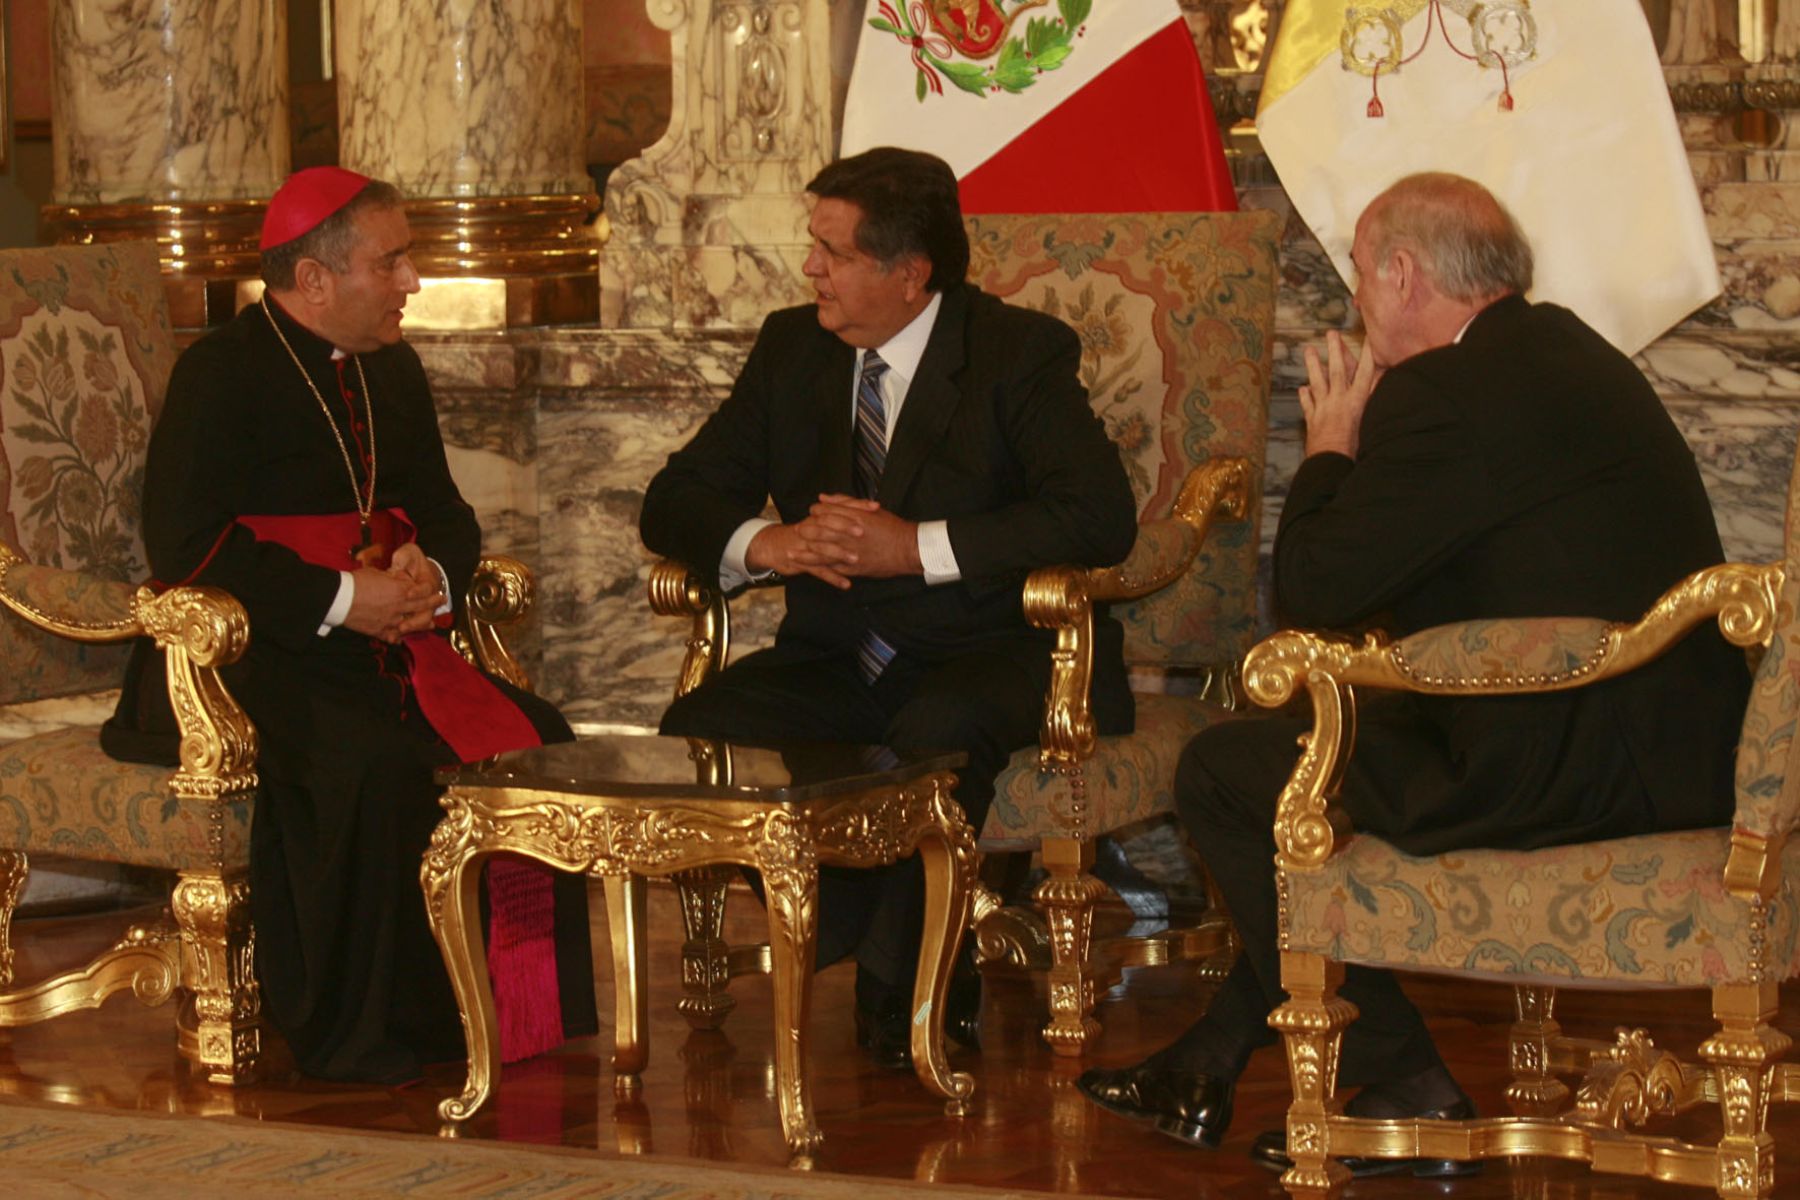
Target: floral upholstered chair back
[85, 355]
[1768, 758]
[1174, 312]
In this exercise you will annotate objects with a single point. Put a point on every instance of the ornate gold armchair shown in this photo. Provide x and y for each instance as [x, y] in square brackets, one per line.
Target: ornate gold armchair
[85, 353]
[1175, 314]
[1708, 908]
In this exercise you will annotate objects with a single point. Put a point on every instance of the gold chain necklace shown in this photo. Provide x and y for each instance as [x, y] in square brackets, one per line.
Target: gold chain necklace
[364, 504]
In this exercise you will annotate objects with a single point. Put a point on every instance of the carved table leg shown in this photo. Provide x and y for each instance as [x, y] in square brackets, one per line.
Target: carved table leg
[218, 963]
[1312, 1023]
[1742, 1055]
[1534, 1091]
[948, 855]
[790, 868]
[451, 877]
[1068, 897]
[631, 992]
[705, 958]
[13, 869]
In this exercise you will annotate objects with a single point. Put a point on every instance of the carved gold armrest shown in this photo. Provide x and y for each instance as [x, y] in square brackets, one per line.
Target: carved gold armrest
[1062, 598]
[1166, 548]
[1473, 658]
[501, 592]
[201, 629]
[676, 591]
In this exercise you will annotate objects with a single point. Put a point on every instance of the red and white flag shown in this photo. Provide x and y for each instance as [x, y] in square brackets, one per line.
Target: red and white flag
[1043, 106]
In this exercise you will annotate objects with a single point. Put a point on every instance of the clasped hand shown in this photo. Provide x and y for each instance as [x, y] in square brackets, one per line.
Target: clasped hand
[839, 539]
[401, 600]
[1334, 396]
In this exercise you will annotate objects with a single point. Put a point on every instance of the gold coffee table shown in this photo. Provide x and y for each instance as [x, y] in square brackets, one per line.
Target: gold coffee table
[624, 808]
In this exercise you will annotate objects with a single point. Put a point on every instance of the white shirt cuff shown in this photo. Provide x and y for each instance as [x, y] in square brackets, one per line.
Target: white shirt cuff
[443, 586]
[935, 554]
[340, 607]
[734, 572]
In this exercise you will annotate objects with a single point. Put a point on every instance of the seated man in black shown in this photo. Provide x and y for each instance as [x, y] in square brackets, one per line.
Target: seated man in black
[925, 446]
[1485, 457]
[298, 465]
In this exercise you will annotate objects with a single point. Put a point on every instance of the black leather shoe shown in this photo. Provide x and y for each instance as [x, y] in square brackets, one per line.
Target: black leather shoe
[1186, 1105]
[962, 1005]
[883, 1030]
[1270, 1149]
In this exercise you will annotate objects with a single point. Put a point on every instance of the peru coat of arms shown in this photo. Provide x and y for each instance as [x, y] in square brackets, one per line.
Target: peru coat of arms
[982, 46]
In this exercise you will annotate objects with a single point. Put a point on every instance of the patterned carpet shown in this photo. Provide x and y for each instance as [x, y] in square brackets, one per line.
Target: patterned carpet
[54, 1152]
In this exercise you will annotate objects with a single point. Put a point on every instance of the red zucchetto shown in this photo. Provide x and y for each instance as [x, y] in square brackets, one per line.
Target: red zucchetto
[307, 198]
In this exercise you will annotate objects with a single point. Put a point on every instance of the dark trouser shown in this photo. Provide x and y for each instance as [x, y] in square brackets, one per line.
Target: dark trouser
[984, 704]
[1405, 786]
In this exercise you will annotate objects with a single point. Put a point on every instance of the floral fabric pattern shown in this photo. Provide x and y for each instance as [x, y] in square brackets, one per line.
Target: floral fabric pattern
[1175, 313]
[1652, 911]
[1502, 650]
[61, 794]
[72, 597]
[1128, 779]
[85, 356]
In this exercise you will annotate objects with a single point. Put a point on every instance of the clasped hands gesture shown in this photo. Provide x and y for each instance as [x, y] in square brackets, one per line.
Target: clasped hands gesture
[1334, 395]
[389, 604]
[839, 539]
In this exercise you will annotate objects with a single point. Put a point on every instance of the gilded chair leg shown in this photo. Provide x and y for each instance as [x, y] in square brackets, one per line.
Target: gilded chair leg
[705, 958]
[1742, 1055]
[1068, 897]
[218, 953]
[1312, 1024]
[1534, 1091]
[13, 869]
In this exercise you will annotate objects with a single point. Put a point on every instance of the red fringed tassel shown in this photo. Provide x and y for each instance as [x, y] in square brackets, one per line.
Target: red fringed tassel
[1375, 109]
[1506, 103]
[522, 958]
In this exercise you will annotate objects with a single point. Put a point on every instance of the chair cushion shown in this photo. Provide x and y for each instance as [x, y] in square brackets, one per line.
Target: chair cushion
[85, 355]
[1130, 777]
[61, 794]
[1651, 910]
[1174, 312]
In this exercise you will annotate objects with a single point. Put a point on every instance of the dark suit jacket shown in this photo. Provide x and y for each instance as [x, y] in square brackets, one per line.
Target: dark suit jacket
[996, 437]
[1528, 470]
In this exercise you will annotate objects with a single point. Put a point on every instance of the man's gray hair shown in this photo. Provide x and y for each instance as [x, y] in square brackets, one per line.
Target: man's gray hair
[1466, 242]
[330, 240]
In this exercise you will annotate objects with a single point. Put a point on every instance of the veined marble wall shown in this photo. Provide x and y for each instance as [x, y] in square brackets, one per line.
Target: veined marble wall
[461, 97]
[168, 100]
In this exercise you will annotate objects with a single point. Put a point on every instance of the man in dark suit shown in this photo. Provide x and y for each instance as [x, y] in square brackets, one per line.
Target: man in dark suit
[1484, 457]
[925, 447]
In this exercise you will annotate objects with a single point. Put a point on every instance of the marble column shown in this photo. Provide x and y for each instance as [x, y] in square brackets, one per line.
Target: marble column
[171, 122]
[708, 226]
[474, 110]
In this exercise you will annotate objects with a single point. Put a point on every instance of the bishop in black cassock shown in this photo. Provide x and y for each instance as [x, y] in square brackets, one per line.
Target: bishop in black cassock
[297, 457]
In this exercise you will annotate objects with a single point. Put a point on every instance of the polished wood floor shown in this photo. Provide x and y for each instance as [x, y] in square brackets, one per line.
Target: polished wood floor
[709, 1095]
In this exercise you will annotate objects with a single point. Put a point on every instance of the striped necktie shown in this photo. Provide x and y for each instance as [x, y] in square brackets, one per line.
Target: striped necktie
[871, 427]
[873, 653]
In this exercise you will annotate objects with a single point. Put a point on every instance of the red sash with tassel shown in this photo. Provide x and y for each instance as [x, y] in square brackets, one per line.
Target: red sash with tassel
[477, 721]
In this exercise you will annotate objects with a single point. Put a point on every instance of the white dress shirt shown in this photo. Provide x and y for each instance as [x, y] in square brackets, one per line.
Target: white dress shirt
[901, 353]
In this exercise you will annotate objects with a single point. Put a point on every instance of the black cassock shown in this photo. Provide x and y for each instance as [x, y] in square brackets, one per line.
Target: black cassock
[350, 974]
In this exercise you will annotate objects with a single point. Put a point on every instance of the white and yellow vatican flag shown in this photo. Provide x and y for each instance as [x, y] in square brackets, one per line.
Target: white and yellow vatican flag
[1043, 106]
[1558, 106]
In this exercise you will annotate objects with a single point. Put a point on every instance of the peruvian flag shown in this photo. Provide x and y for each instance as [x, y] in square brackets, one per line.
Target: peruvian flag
[1043, 106]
